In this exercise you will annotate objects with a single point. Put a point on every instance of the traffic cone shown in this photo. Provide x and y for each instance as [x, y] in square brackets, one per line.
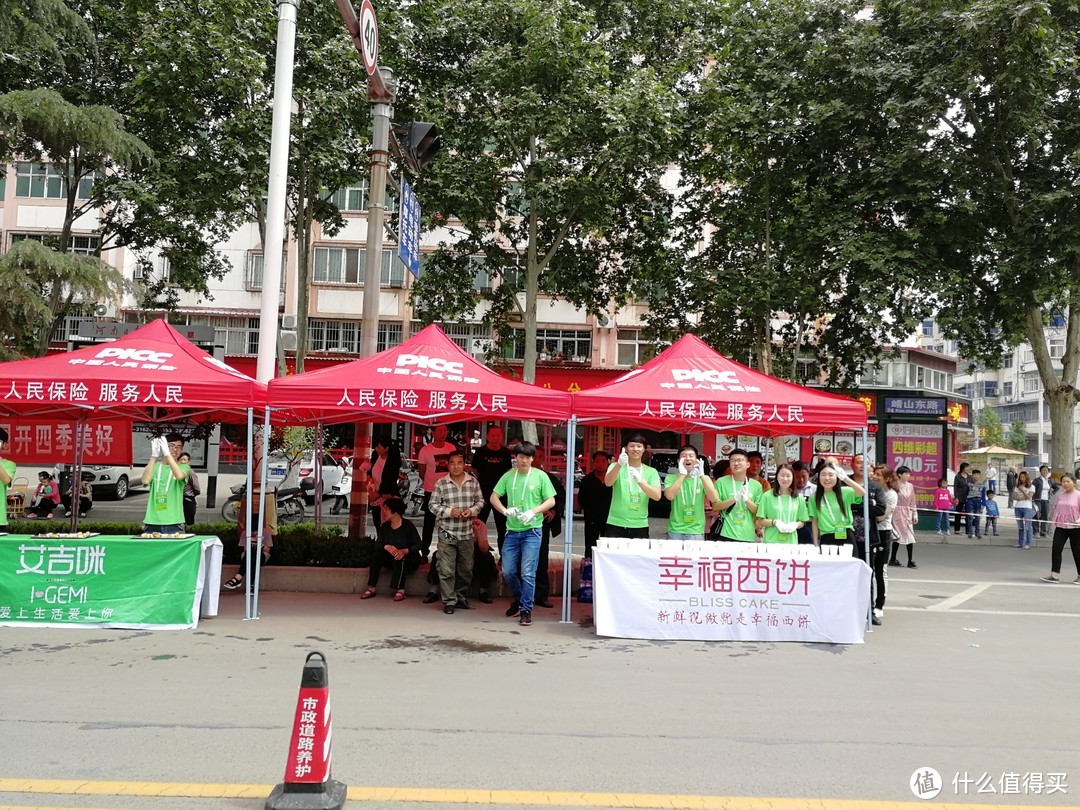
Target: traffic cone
[307, 784]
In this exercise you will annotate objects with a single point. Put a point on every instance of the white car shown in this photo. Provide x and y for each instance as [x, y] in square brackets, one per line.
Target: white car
[110, 481]
[304, 472]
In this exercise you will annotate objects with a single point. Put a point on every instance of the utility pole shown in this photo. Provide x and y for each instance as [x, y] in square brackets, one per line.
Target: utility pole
[381, 95]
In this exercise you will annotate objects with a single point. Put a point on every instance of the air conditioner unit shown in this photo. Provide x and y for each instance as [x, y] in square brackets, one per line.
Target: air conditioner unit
[1007, 397]
[105, 311]
[288, 322]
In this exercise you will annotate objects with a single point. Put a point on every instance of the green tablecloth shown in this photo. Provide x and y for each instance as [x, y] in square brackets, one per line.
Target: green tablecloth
[108, 581]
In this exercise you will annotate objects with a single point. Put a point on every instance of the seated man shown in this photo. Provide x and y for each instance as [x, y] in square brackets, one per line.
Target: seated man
[397, 548]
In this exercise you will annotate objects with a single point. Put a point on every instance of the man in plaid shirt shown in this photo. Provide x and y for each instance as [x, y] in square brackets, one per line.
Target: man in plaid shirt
[456, 500]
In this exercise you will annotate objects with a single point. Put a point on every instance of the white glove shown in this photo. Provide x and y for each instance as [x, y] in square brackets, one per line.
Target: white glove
[526, 516]
[840, 474]
[159, 447]
[512, 511]
[743, 494]
[623, 458]
[698, 469]
[633, 473]
[785, 526]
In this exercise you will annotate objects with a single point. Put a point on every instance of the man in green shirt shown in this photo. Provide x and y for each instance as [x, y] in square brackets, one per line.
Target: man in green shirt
[633, 484]
[165, 476]
[688, 490]
[528, 493]
[738, 495]
[7, 473]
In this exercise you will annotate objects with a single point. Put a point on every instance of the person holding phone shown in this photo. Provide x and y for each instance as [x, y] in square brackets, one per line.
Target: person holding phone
[166, 477]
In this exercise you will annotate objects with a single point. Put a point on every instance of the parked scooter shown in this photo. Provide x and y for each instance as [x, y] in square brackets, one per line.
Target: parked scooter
[411, 488]
[290, 506]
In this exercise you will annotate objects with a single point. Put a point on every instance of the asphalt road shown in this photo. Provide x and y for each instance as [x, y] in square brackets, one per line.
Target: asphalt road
[970, 674]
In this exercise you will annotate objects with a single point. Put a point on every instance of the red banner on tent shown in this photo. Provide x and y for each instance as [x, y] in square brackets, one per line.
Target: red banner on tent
[52, 441]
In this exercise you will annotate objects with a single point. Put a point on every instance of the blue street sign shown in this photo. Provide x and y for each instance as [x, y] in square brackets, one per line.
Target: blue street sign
[409, 229]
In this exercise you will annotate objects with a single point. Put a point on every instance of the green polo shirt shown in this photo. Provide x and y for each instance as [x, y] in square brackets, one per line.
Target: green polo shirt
[738, 520]
[165, 506]
[8, 465]
[831, 519]
[629, 504]
[688, 508]
[525, 492]
[784, 508]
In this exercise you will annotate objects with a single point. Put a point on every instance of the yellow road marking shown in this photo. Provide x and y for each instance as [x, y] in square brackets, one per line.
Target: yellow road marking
[647, 801]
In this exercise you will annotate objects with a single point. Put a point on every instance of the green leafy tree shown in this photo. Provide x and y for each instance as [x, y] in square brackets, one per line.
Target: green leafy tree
[38, 39]
[988, 102]
[559, 121]
[80, 141]
[795, 247]
[991, 431]
[1017, 438]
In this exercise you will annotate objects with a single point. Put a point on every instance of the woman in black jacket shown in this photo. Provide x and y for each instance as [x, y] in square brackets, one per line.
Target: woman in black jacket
[961, 485]
[383, 470]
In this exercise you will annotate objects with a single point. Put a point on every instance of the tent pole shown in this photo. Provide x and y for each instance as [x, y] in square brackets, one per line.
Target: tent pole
[568, 519]
[866, 529]
[76, 473]
[317, 472]
[262, 519]
[245, 539]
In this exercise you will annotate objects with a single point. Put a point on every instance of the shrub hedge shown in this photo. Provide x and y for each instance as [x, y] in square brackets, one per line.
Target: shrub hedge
[294, 545]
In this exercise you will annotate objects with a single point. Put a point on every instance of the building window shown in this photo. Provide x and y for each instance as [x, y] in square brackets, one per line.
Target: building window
[989, 388]
[1031, 383]
[390, 335]
[334, 265]
[83, 244]
[1057, 320]
[355, 198]
[556, 345]
[1027, 356]
[1007, 389]
[1007, 361]
[928, 328]
[632, 351]
[473, 338]
[69, 327]
[481, 275]
[253, 271]
[46, 182]
[1057, 349]
[343, 337]
[239, 336]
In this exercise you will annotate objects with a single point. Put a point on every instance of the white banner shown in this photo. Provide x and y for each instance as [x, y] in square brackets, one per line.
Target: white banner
[748, 597]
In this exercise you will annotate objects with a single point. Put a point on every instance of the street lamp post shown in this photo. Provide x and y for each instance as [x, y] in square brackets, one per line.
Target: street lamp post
[275, 198]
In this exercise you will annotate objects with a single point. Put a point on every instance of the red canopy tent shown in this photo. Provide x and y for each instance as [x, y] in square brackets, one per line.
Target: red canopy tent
[428, 378]
[152, 374]
[689, 386]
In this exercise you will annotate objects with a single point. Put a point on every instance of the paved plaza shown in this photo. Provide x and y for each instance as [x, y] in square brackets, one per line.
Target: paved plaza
[972, 674]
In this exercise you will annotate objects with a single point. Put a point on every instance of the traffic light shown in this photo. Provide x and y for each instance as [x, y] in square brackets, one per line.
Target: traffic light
[418, 142]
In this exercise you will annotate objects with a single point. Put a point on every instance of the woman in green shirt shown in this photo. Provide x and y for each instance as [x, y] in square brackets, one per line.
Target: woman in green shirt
[782, 510]
[830, 506]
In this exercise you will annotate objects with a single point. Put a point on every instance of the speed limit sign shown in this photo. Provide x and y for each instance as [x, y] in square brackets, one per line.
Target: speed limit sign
[369, 37]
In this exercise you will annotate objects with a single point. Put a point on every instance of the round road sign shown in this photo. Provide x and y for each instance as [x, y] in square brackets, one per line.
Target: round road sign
[369, 37]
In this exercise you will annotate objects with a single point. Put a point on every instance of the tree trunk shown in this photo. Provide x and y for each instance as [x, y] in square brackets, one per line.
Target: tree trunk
[1062, 401]
[304, 221]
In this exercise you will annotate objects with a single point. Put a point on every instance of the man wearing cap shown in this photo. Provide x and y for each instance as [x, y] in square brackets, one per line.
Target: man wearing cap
[165, 476]
[7, 473]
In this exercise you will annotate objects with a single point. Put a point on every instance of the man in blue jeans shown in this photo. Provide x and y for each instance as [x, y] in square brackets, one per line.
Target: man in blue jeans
[528, 493]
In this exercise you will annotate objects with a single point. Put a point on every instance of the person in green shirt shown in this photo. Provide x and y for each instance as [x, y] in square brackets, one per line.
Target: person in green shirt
[737, 496]
[165, 476]
[633, 484]
[528, 493]
[688, 490]
[830, 506]
[781, 509]
[7, 473]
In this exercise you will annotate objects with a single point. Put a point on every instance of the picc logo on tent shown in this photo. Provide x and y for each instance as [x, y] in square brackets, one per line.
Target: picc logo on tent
[705, 376]
[422, 361]
[136, 355]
